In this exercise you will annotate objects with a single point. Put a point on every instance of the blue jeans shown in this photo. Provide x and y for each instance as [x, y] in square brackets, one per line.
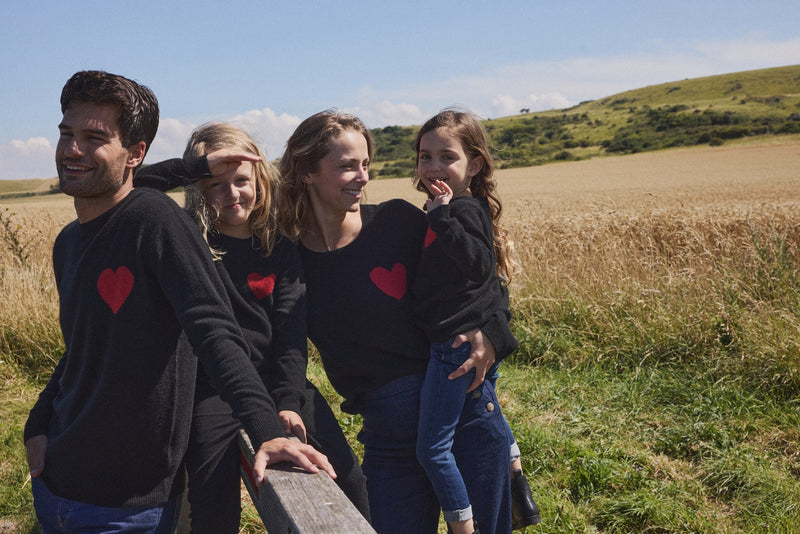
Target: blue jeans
[401, 497]
[492, 376]
[57, 515]
[441, 404]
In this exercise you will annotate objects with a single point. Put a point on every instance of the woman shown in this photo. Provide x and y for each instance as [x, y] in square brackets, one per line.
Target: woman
[360, 262]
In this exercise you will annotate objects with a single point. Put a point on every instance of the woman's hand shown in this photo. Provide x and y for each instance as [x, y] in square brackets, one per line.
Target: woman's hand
[481, 358]
[293, 424]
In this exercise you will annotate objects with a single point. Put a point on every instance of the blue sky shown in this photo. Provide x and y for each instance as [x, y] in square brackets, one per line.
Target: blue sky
[266, 65]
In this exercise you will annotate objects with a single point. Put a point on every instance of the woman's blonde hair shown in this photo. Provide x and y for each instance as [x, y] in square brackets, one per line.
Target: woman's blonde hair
[309, 143]
[467, 128]
[218, 135]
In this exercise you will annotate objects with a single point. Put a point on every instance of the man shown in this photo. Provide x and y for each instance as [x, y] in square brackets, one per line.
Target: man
[107, 436]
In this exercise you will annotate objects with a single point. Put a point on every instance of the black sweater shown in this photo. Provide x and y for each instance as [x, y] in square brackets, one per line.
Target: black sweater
[268, 298]
[360, 306]
[457, 288]
[117, 408]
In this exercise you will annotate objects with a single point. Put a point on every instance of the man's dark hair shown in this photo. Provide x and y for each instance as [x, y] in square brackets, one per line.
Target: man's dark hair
[138, 106]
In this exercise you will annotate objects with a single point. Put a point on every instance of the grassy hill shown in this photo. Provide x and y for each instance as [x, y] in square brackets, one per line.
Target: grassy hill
[708, 110]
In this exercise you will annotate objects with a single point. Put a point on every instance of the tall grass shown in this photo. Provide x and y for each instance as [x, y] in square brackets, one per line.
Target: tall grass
[717, 287]
[30, 338]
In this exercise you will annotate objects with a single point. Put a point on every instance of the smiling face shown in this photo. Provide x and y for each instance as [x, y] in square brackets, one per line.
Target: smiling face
[92, 163]
[338, 183]
[232, 196]
[442, 158]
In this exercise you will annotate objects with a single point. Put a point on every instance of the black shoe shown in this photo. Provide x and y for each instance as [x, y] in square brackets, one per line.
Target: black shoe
[524, 511]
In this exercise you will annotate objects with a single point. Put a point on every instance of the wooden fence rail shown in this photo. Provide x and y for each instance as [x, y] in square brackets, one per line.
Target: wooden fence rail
[293, 501]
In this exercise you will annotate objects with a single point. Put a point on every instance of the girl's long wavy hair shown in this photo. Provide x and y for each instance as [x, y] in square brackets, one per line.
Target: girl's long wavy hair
[217, 135]
[466, 127]
[309, 143]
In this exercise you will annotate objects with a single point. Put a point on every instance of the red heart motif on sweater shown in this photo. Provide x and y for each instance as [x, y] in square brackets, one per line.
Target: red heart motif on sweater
[393, 282]
[115, 286]
[261, 286]
[430, 237]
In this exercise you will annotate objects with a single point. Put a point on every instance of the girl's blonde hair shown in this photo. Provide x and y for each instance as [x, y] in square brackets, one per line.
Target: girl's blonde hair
[309, 143]
[218, 135]
[467, 128]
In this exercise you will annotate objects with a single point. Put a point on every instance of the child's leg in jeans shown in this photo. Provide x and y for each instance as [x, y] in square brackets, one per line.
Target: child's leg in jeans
[441, 403]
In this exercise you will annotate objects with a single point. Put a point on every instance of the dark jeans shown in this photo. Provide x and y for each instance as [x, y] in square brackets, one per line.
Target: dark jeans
[402, 499]
[212, 461]
[57, 515]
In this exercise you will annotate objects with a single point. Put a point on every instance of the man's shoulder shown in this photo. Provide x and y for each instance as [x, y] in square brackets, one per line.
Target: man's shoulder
[151, 206]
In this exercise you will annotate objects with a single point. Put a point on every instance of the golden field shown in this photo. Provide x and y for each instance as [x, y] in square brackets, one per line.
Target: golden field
[648, 215]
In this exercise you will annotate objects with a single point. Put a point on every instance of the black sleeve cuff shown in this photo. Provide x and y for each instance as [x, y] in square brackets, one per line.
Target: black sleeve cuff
[169, 174]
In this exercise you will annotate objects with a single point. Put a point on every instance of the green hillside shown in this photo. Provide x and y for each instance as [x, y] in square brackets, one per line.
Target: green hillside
[696, 111]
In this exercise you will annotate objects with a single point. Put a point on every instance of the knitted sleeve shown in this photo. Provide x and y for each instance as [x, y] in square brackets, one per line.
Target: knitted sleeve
[171, 173]
[39, 417]
[290, 347]
[498, 330]
[464, 233]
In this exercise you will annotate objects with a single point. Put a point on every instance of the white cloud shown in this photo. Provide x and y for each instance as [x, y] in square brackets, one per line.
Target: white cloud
[27, 159]
[752, 53]
[170, 140]
[268, 128]
[377, 114]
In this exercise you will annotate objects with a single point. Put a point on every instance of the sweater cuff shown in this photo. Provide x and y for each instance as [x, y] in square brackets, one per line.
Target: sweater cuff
[198, 167]
[438, 215]
[261, 431]
[288, 399]
[35, 427]
[499, 333]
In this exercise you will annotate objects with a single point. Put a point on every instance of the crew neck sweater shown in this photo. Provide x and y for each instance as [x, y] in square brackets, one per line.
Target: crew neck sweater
[268, 298]
[135, 284]
[359, 301]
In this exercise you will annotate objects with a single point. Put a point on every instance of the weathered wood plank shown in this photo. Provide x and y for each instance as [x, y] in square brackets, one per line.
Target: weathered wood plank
[296, 502]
